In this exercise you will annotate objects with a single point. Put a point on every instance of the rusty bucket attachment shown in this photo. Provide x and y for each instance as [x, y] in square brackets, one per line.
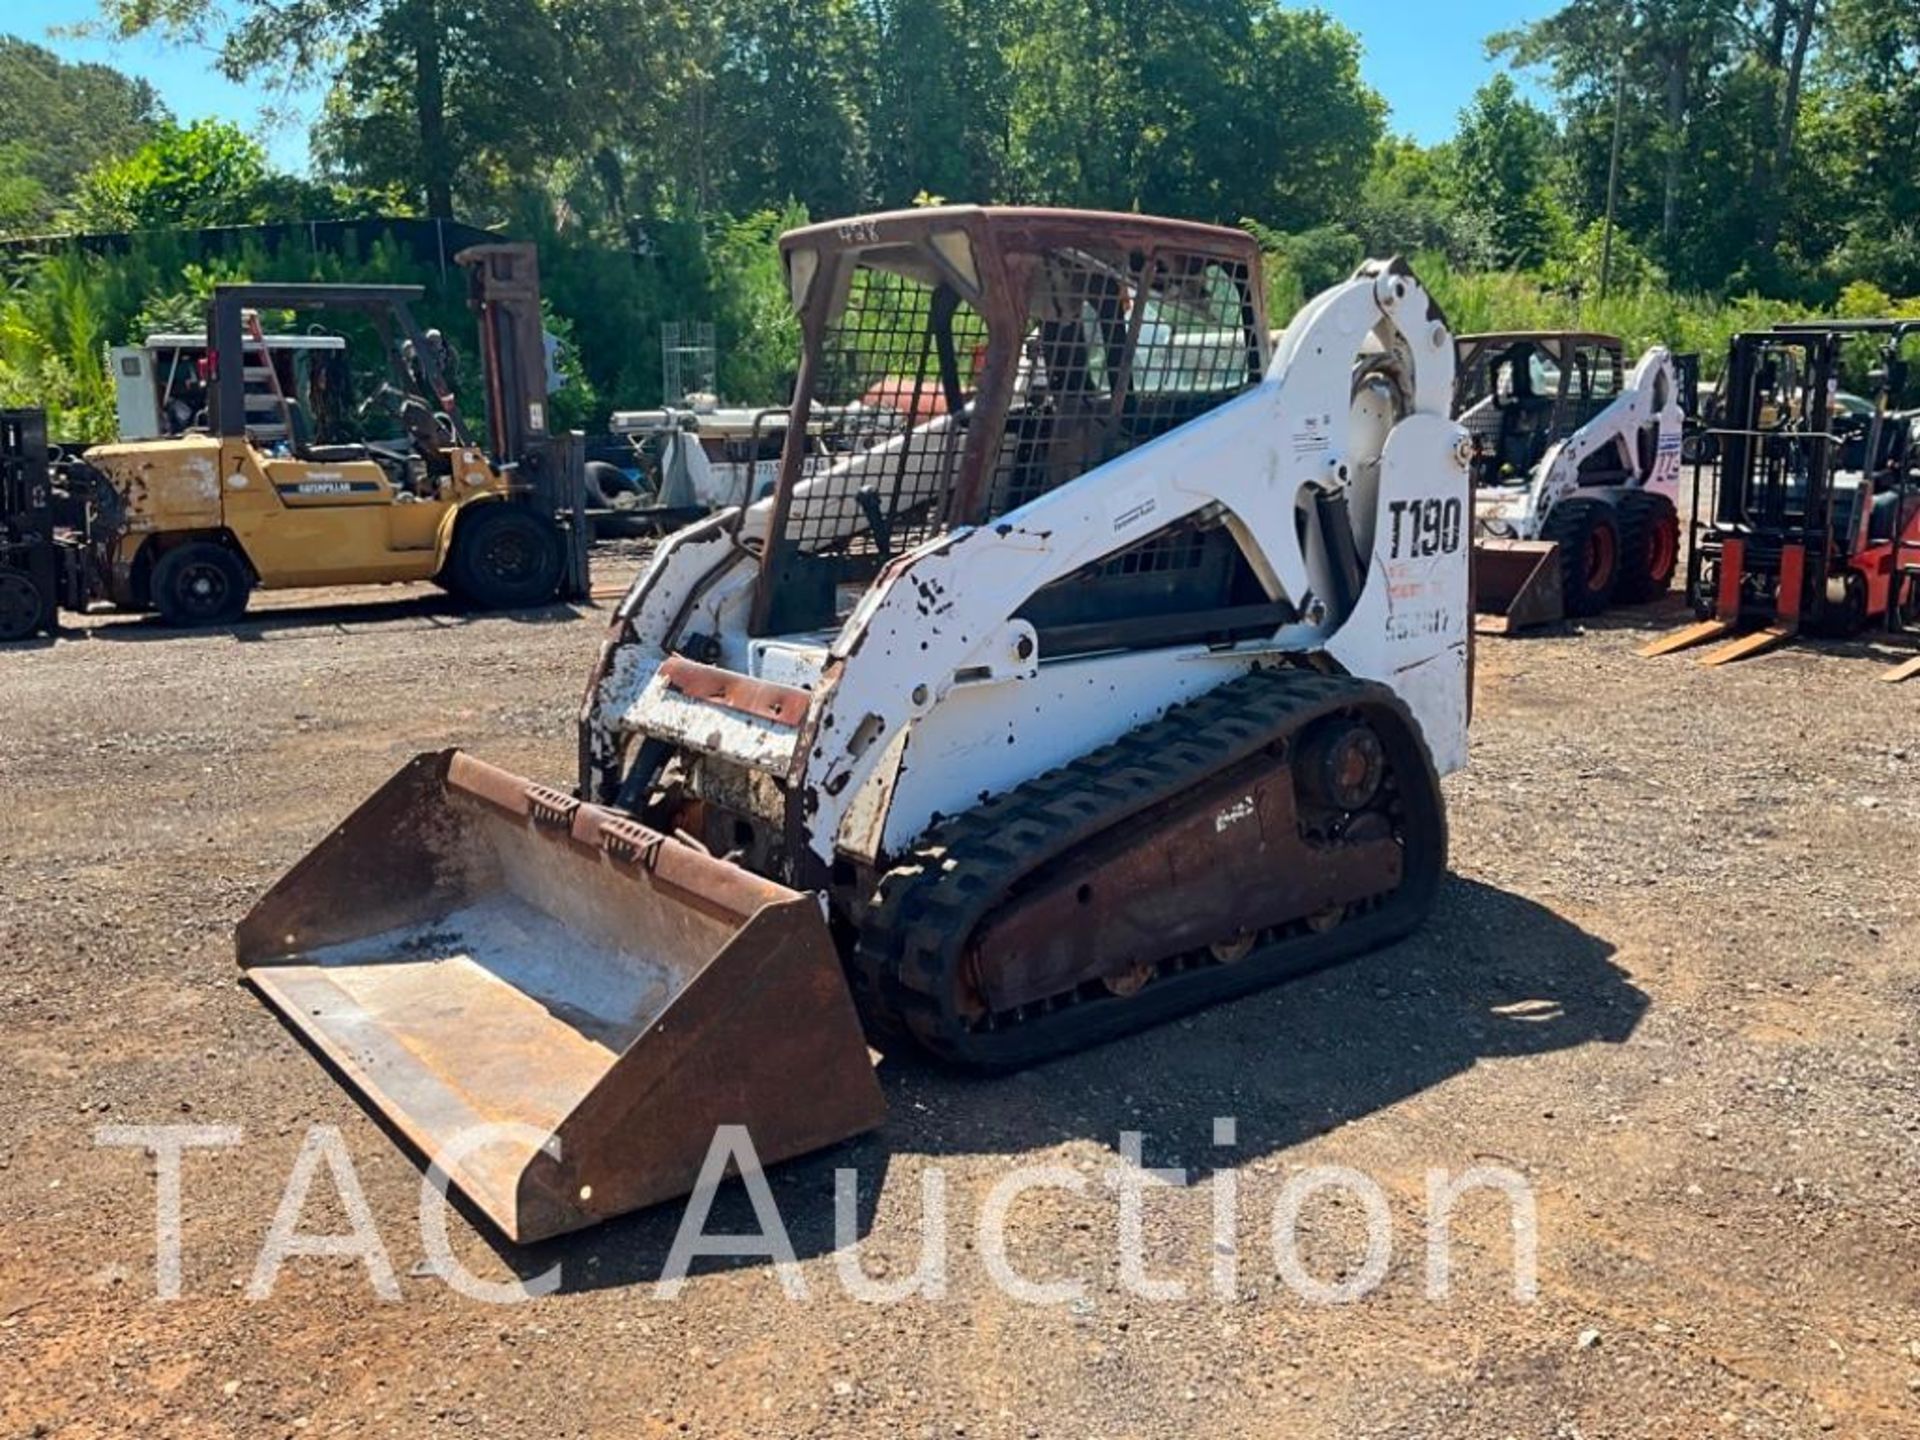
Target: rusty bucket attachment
[1516, 585]
[553, 1003]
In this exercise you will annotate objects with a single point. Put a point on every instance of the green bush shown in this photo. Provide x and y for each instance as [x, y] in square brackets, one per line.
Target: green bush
[59, 313]
[1642, 314]
[54, 329]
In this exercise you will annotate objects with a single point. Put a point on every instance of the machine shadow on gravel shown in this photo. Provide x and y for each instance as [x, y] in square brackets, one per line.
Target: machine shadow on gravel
[1651, 618]
[1493, 975]
[438, 610]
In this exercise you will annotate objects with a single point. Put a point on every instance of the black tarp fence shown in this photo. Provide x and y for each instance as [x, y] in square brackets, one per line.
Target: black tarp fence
[427, 242]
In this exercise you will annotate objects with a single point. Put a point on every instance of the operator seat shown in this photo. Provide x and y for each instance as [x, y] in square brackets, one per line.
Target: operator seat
[1883, 519]
[1524, 418]
[305, 449]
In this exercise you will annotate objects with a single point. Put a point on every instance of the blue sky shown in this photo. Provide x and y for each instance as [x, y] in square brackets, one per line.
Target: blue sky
[1426, 58]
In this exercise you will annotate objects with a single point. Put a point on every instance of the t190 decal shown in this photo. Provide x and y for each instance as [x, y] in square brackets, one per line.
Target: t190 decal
[1423, 528]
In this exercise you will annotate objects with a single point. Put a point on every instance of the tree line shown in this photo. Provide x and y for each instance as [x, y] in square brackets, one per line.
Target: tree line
[1736, 153]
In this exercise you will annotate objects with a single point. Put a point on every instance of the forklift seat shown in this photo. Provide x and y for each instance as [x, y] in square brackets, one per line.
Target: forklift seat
[1886, 519]
[305, 449]
[334, 454]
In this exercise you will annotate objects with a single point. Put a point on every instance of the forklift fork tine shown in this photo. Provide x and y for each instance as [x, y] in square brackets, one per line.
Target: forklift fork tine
[1757, 643]
[1733, 563]
[1687, 638]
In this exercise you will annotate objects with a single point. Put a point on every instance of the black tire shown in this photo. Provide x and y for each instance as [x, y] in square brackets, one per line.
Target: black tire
[604, 482]
[1907, 601]
[504, 557]
[200, 583]
[1649, 547]
[1703, 594]
[1841, 613]
[25, 609]
[1589, 540]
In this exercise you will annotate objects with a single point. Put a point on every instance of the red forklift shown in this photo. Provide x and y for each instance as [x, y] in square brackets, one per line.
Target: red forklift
[1808, 519]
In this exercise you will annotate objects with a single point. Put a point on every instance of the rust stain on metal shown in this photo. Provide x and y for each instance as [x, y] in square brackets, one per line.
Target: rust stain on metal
[1516, 584]
[610, 994]
[1233, 860]
[763, 699]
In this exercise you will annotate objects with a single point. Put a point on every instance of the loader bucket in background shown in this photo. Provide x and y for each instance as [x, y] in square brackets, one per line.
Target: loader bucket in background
[1516, 585]
[471, 951]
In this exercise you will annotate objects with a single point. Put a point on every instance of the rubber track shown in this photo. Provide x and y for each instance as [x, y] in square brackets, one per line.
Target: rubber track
[914, 937]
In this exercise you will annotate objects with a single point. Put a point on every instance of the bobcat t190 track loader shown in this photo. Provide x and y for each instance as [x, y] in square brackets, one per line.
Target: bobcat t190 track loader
[1117, 683]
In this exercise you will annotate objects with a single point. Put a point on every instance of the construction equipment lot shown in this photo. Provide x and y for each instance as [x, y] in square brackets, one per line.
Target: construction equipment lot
[1672, 982]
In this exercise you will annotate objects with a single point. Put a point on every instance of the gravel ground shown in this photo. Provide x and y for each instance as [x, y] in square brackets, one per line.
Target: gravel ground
[1672, 985]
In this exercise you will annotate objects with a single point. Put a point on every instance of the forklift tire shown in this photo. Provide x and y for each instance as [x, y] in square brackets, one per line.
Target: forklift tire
[1841, 613]
[25, 609]
[200, 583]
[1649, 547]
[504, 557]
[1589, 540]
[1703, 592]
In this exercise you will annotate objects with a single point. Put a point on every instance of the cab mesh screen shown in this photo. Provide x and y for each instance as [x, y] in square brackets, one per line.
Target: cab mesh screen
[889, 407]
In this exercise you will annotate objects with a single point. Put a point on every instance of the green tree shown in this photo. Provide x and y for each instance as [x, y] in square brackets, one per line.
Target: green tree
[1409, 204]
[457, 107]
[791, 87]
[714, 110]
[1309, 123]
[54, 329]
[1504, 162]
[1785, 68]
[58, 121]
[939, 99]
[206, 173]
[429, 94]
[1864, 130]
[22, 198]
[1212, 109]
[1710, 98]
[758, 333]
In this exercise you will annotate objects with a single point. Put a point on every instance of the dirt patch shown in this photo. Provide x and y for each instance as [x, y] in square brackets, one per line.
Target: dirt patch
[1672, 984]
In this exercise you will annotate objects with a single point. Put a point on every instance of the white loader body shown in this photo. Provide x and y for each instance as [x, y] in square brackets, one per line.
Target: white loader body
[932, 695]
[1115, 683]
[1576, 472]
[1516, 508]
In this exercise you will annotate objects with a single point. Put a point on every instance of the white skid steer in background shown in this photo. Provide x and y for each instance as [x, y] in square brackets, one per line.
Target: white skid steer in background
[1576, 470]
[1118, 682]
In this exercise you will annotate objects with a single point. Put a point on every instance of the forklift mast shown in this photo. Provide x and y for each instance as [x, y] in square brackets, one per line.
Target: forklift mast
[26, 490]
[503, 290]
[38, 571]
[1776, 478]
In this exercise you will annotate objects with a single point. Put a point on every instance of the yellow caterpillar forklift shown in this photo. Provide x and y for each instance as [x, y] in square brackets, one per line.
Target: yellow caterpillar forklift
[190, 525]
